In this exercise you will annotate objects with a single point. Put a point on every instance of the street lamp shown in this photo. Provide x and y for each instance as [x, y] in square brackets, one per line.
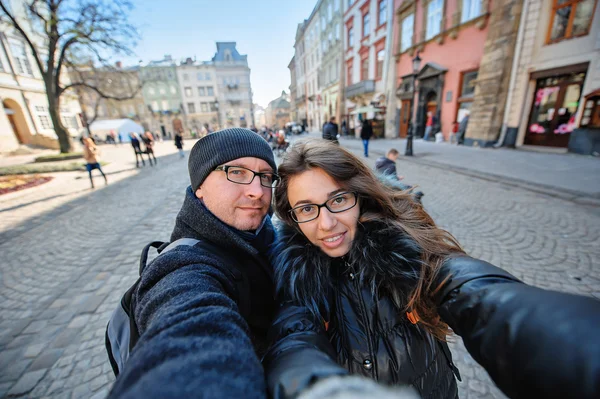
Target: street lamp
[409, 139]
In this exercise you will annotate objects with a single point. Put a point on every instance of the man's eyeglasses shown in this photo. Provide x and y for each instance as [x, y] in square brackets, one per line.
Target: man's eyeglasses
[241, 175]
[339, 203]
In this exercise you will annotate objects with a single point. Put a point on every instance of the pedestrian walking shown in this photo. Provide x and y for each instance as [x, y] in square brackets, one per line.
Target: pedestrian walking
[149, 147]
[91, 154]
[137, 149]
[366, 132]
[330, 131]
[462, 129]
[203, 314]
[428, 126]
[179, 144]
[344, 128]
[369, 285]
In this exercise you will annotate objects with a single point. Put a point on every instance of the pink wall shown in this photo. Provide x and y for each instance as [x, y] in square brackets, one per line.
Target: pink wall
[457, 55]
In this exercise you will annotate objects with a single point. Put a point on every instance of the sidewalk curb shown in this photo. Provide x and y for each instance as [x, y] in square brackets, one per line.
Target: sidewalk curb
[567, 195]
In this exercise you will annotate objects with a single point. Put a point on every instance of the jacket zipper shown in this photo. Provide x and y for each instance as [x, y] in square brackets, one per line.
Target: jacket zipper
[363, 310]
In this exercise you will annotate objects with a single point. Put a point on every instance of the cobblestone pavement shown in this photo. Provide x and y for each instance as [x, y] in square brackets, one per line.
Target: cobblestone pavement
[64, 272]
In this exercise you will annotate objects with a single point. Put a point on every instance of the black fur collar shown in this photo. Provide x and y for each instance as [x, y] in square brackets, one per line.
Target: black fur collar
[382, 256]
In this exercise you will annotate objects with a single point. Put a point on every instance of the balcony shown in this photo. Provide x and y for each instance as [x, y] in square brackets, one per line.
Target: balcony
[360, 88]
[232, 86]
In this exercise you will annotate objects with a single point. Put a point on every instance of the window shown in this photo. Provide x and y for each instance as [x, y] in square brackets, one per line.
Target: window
[201, 91]
[470, 9]
[337, 5]
[408, 25]
[366, 25]
[364, 68]
[191, 108]
[188, 91]
[349, 72]
[434, 18]
[204, 107]
[329, 13]
[210, 91]
[337, 32]
[173, 90]
[350, 37]
[151, 91]
[467, 92]
[382, 15]
[165, 105]
[324, 46]
[154, 106]
[45, 121]
[350, 2]
[207, 76]
[186, 76]
[199, 75]
[162, 90]
[330, 37]
[380, 58]
[323, 21]
[570, 18]
[20, 56]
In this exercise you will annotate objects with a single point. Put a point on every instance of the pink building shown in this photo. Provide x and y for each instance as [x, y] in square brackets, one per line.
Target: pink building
[449, 37]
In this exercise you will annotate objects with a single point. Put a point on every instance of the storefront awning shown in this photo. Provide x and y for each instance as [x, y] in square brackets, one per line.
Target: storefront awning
[362, 110]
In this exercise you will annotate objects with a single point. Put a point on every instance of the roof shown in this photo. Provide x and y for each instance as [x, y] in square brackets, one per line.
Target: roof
[224, 48]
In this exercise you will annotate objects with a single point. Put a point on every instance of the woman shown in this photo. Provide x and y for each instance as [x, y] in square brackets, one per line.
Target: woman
[370, 285]
[149, 143]
[90, 154]
[360, 258]
[179, 144]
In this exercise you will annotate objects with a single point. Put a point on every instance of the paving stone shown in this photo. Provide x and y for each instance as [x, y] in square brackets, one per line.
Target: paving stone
[35, 327]
[67, 337]
[27, 382]
[14, 372]
[91, 304]
[46, 359]
[34, 350]
[79, 321]
[102, 394]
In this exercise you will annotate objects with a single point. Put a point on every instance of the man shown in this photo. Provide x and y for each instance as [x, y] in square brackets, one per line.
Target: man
[387, 165]
[365, 134]
[202, 332]
[330, 130]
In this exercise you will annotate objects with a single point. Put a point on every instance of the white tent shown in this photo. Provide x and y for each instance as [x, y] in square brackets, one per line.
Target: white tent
[121, 127]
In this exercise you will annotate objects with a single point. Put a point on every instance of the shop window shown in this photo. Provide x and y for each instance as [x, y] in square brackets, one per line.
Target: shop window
[407, 32]
[466, 94]
[591, 112]
[554, 108]
[570, 18]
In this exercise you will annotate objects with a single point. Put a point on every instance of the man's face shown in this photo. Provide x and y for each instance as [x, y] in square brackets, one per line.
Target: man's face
[393, 157]
[242, 206]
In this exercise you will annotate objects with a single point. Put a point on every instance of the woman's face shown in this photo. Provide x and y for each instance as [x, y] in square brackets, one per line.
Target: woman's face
[332, 232]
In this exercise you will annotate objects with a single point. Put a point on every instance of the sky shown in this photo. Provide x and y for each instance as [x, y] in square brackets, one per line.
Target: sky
[263, 29]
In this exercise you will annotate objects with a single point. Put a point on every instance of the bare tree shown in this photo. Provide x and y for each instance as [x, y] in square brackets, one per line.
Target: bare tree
[63, 33]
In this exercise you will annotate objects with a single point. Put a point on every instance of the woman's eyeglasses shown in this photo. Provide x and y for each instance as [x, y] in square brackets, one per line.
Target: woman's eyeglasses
[339, 203]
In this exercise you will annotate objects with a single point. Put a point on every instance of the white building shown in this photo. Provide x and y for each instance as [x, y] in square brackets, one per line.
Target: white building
[367, 55]
[312, 45]
[24, 117]
[301, 100]
[199, 92]
[233, 86]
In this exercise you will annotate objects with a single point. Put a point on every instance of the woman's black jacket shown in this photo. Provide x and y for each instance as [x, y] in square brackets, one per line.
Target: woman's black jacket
[532, 342]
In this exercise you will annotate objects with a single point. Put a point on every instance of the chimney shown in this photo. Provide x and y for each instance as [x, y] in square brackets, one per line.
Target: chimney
[119, 64]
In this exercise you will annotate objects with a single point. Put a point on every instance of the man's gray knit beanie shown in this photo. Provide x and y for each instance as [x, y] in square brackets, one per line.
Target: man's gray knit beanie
[224, 146]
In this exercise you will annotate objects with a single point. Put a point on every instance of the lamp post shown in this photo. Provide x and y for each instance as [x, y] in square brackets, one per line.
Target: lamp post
[218, 113]
[409, 139]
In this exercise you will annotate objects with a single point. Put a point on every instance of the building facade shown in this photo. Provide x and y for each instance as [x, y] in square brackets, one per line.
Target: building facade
[366, 24]
[293, 90]
[331, 61]
[24, 118]
[312, 46]
[438, 31]
[554, 95]
[161, 94]
[199, 93]
[301, 99]
[278, 112]
[234, 90]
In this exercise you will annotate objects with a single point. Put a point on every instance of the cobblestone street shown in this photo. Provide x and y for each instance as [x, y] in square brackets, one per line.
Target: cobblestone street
[68, 254]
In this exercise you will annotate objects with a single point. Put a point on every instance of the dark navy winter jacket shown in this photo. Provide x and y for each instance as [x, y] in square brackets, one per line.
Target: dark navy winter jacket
[199, 335]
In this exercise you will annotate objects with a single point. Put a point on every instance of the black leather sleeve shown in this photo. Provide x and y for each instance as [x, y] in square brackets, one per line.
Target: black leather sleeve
[301, 353]
[532, 342]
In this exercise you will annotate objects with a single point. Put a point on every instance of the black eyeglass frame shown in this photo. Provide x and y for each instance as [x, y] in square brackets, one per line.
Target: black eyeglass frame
[324, 204]
[225, 168]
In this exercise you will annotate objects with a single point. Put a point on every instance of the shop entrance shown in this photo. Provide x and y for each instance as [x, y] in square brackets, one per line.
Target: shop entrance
[554, 109]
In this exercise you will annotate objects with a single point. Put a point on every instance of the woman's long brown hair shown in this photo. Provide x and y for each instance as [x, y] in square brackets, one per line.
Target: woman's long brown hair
[378, 202]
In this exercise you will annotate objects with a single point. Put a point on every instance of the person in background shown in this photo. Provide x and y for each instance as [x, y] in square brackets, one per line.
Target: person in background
[387, 165]
[369, 285]
[344, 128]
[428, 126]
[365, 134]
[91, 154]
[330, 131]
[462, 129]
[149, 144]
[137, 149]
[179, 144]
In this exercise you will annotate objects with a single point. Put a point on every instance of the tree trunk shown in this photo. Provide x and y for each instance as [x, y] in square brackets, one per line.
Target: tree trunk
[64, 139]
